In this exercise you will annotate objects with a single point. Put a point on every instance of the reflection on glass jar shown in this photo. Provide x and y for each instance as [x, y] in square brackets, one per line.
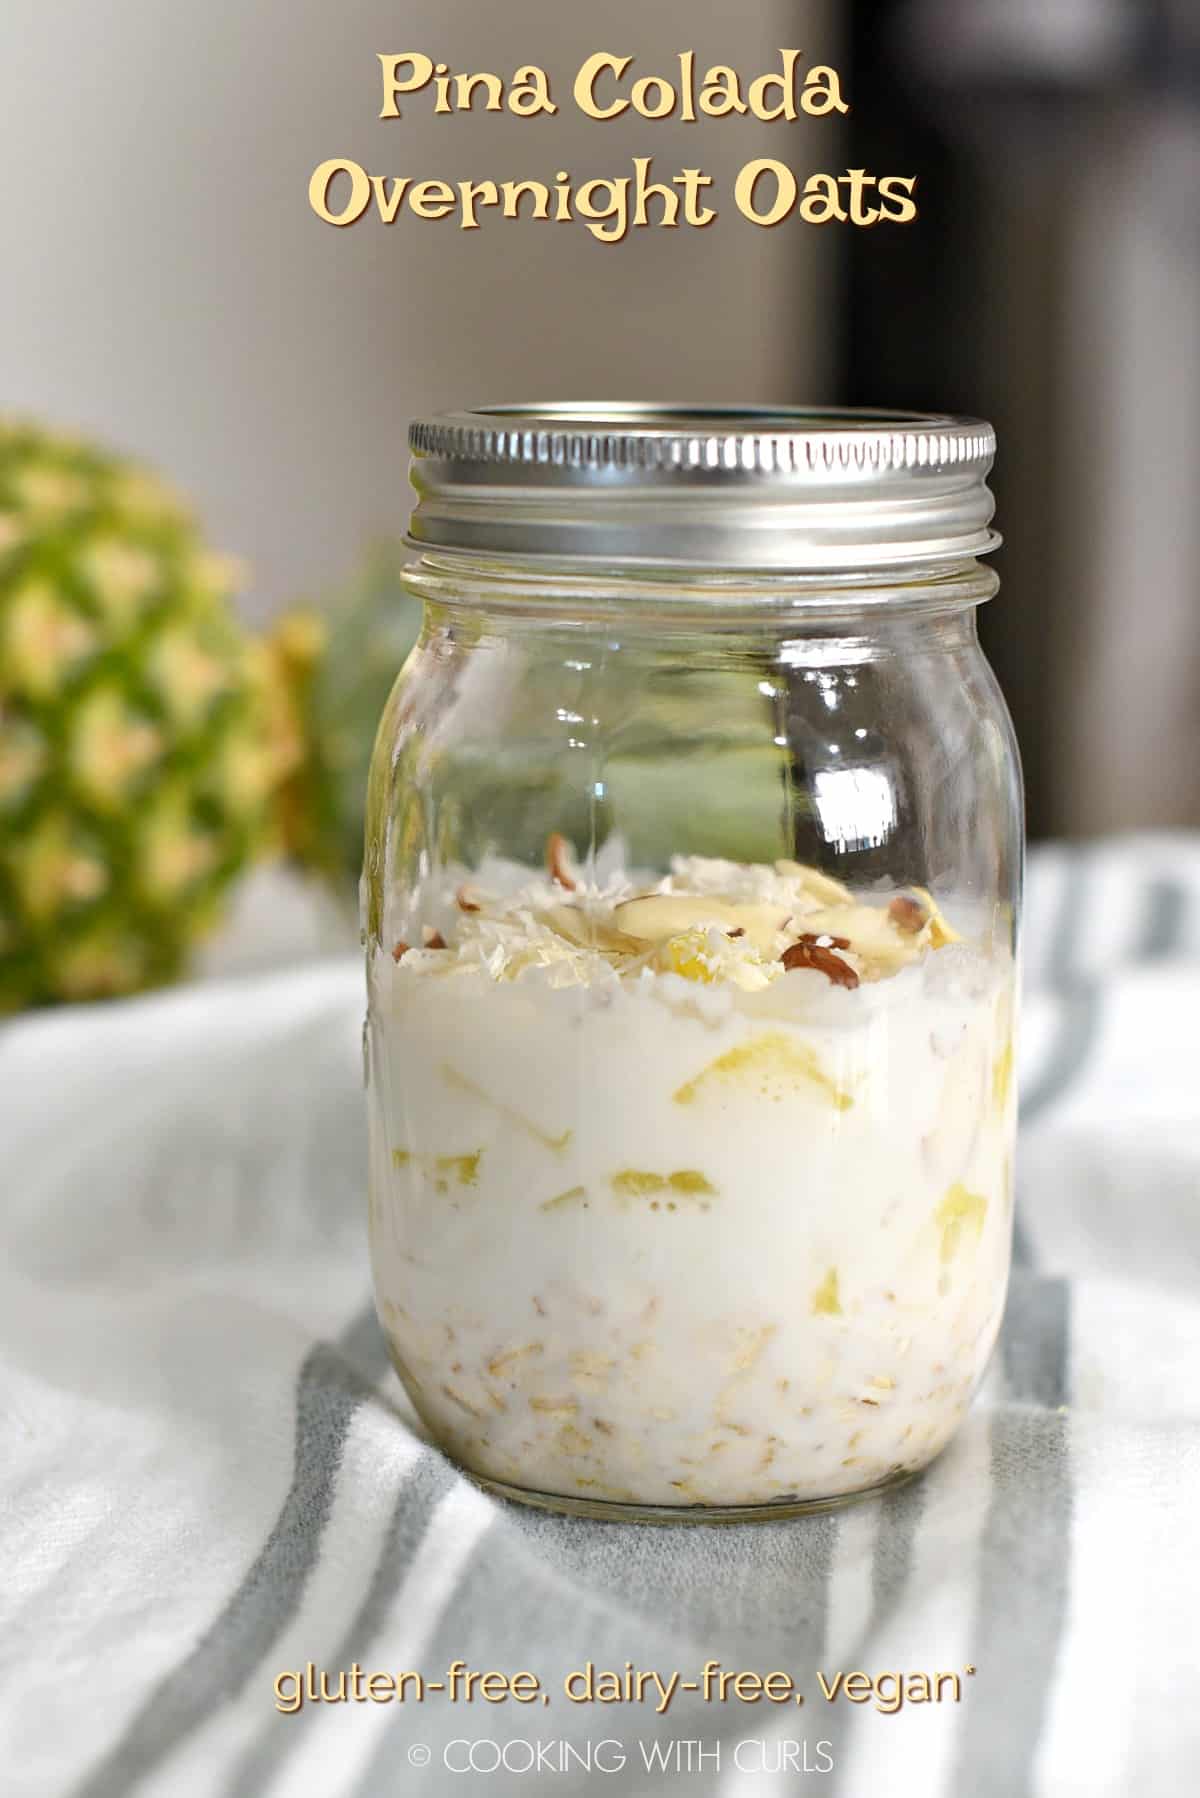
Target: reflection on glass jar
[691, 901]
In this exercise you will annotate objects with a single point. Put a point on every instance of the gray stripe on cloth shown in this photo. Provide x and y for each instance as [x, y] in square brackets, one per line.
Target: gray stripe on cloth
[422, 1487]
[696, 1580]
[1163, 927]
[901, 1510]
[549, 1593]
[1022, 1249]
[1165, 921]
[1025, 1556]
[895, 1547]
[1077, 1027]
[334, 1378]
[1078, 1004]
[1051, 947]
[1060, 947]
[364, 1345]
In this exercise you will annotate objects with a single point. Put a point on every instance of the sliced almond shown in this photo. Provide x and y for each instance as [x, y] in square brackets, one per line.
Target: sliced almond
[809, 953]
[660, 916]
[558, 861]
[821, 887]
[908, 914]
[589, 932]
[872, 935]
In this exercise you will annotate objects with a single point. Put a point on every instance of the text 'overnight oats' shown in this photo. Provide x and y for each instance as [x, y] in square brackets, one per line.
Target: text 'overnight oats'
[692, 1193]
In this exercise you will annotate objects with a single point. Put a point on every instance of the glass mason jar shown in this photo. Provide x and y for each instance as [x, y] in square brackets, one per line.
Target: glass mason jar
[691, 899]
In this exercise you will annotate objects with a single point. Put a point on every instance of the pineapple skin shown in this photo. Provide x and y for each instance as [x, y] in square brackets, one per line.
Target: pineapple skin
[137, 753]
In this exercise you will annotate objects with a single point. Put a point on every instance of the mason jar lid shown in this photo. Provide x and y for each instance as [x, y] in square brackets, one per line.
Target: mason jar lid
[779, 489]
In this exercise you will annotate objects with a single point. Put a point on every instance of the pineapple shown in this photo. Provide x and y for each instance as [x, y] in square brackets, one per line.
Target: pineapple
[330, 676]
[140, 741]
[150, 748]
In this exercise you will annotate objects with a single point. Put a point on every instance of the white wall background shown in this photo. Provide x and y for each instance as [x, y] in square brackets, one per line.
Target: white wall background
[166, 287]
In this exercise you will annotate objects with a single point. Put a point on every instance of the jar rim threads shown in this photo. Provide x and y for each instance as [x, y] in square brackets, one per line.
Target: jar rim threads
[771, 489]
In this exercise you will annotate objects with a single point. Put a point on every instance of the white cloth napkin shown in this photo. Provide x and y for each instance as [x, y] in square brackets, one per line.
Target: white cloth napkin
[208, 1475]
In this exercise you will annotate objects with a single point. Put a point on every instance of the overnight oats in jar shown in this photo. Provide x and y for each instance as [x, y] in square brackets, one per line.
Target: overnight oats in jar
[690, 902]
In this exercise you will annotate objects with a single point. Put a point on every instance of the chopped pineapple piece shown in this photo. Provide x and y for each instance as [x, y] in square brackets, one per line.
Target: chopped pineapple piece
[826, 1301]
[463, 1168]
[1002, 1075]
[562, 1200]
[774, 1060]
[959, 1212]
[685, 955]
[821, 887]
[638, 1183]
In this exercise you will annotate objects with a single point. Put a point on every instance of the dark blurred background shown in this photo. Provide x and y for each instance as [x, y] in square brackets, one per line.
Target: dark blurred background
[167, 290]
[1052, 284]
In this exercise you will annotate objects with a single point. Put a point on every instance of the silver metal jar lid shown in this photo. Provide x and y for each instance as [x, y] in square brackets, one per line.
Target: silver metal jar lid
[704, 487]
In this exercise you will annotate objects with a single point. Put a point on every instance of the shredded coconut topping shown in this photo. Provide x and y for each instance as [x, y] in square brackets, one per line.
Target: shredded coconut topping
[709, 921]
